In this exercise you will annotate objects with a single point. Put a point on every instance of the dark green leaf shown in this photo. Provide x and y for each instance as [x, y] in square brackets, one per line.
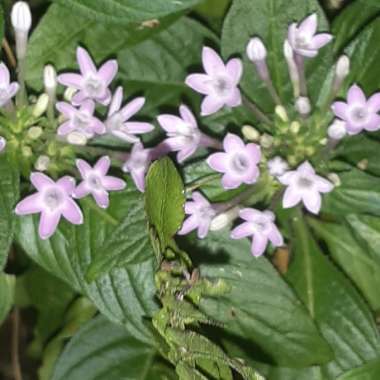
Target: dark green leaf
[263, 320]
[7, 286]
[164, 199]
[328, 295]
[124, 294]
[116, 355]
[127, 11]
[269, 19]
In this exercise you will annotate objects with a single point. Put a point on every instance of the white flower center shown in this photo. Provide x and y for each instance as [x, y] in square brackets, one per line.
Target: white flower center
[114, 123]
[3, 93]
[53, 198]
[304, 182]
[240, 163]
[93, 86]
[138, 161]
[261, 225]
[205, 213]
[359, 115]
[81, 120]
[302, 41]
[222, 86]
[95, 182]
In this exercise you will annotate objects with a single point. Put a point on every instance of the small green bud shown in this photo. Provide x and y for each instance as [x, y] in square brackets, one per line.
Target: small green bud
[309, 151]
[281, 113]
[34, 132]
[41, 105]
[334, 178]
[42, 163]
[363, 164]
[292, 160]
[250, 133]
[295, 127]
[266, 141]
[69, 93]
[26, 151]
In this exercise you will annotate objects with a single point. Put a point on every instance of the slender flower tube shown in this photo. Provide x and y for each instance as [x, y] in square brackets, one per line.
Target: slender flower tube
[238, 162]
[96, 181]
[219, 83]
[358, 113]
[304, 185]
[183, 134]
[118, 123]
[260, 225]
[341, 72]
[50, 84]
[80, 120]
[91, 83]
[292, 68]
[8, 89]
[52, 200]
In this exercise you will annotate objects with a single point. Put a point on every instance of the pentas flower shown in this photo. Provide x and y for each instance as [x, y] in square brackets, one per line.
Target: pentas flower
[7, 89]
[137, 164]
[91, 83]
[260, 225]
[358, 113]
[277, 166]
[238, 162]
[303, 38]
[80, 120]
[96, 181]
[53, 200]
[118, 123]
[304, 185]
[219, 83]
[183, 133]
[201, 213]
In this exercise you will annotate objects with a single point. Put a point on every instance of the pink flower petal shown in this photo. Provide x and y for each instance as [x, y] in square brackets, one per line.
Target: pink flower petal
[251, 175]
[306, 169]
[108, 71]
[29, 205]
[190, 224]
[65, 128]
[374, 102]
[67, 184]
[113, 183]
[12, 89]
[230, 182]
[190, 207]
[218, 162]
[72, 212]
[291, 197]
[323, 185]
[4, 75]
[287, 178]
[292, 33]
[200, 199]
[210, 105]
[249, 214]
[132, 108]
[106, 98]
[97, 126]
[242, 231]
[312, 201]
[102, 165]
[85, 62]
[259, 244]
[212, 62]
[139, 179]
[233, 143]
[169, 123]
[78, 98]
[82, 190]
[83, 167]
[275, 237]
[40, 180]
[137, 127]
[234, 70]
[340, 110]
[309, 25]
[320, 40]
[373, 124]
[117, 99]
[203, 229]
[101, 198]
[254, 152]
[235, 98]
[88, 106]
[186, 152]
[187, 115]
[66, 109]
[48, 224]
[70, 80]
[199, 83]
[356, 96]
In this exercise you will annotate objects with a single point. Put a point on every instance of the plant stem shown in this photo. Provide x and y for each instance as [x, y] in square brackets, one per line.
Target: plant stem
[15, 345]
[9, 53]
[255, 110]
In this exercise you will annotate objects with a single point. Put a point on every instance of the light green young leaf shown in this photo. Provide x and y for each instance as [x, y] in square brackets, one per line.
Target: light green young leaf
[164, 199]
[260, 305]
[127, 11]
[117, 355]
[7, 289]
[369, 371]
[124, 294]
[328, 295]
[269, 20]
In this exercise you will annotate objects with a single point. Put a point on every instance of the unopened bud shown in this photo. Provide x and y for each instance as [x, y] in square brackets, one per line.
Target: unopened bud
[224, 219]
[34, 132]
[3, 143]
[362, 164]
[69, 93]
[250, 133]
[256, 50]
[277, 166]
[342, 67]
[266, 141]
[309, 151]
[295, 127]
[303, 106]
[50, 79]
[21, 19]
[42, 163]
[26, 151]
[41, 105]
[77, 138]
[334, 178]
[337, 130]
[281, 113]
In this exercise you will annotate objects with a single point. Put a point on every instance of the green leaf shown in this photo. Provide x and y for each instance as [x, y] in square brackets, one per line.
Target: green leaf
[9, 194]
[328, 295]
[269, 19]
[359, 192]
[164, 199]
[354, 246]
[124, 294]
[7, 287]
[262, 318]
[103, 350]
[126, 11]
[369, 371]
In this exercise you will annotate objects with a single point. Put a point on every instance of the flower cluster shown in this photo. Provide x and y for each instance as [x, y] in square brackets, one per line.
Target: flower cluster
[285, 156]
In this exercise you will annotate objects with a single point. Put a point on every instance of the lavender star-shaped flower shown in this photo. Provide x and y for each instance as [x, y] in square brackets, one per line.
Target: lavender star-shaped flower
[304, 185]
[7, 89]
[53, 200]
[137, 164]
[118, 123]
[219, 83]
[260, 225]
[303, 38]
[96, 181]
[358, 113]
[238, 162]
[80, 120]
[201, 214]
[91, 83]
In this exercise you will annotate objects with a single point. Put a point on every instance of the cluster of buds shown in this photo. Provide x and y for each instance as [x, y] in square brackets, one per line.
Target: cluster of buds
[284, 156]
